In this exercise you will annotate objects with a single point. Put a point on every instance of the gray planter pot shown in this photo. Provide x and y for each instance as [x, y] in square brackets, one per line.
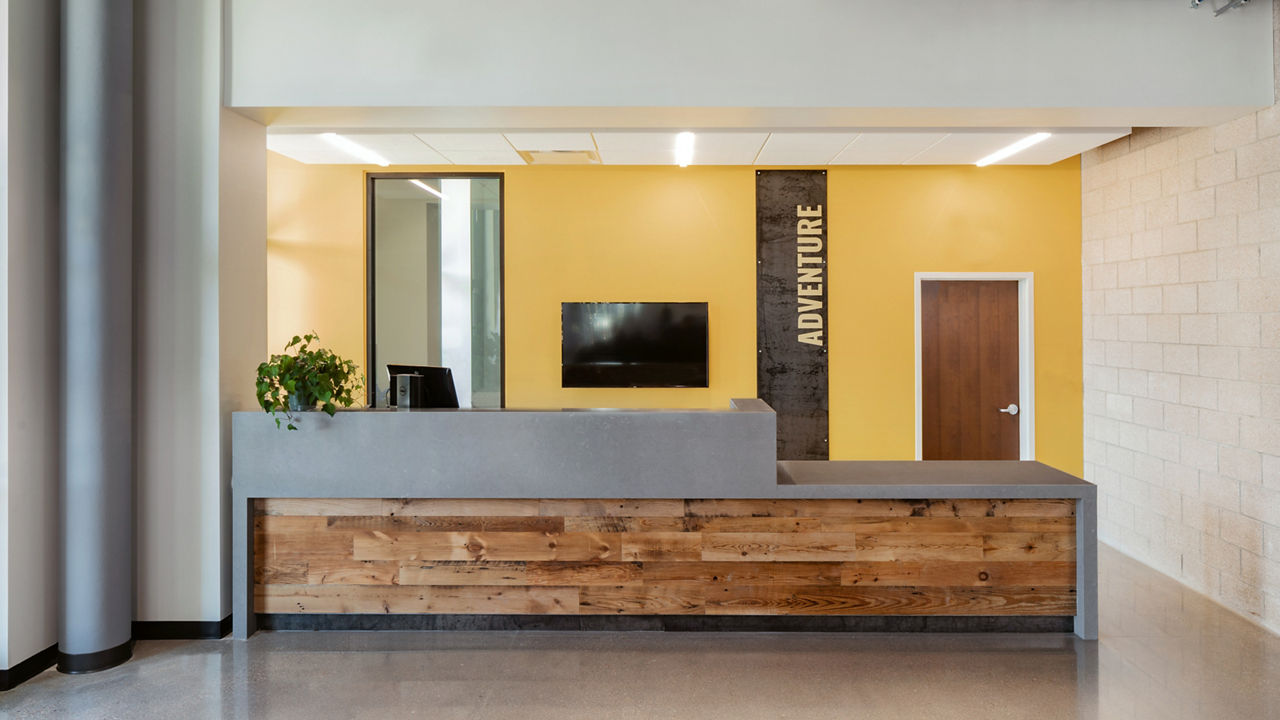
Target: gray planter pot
[296, 404]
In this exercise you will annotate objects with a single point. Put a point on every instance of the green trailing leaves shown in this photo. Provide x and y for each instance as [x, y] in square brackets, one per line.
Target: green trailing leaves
[311, 376]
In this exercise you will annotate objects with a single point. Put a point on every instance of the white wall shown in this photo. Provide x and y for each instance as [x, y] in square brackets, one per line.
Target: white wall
[863, 62]
[242, 303]
[201, 229]
[403, 302]
[1182, 354]
[200, 310]
[29, 312]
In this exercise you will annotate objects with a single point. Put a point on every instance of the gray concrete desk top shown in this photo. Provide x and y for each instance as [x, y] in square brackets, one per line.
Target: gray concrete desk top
[561, 453]
[1002, 479]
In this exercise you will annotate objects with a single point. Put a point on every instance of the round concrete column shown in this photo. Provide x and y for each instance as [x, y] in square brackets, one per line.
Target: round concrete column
[96, 382]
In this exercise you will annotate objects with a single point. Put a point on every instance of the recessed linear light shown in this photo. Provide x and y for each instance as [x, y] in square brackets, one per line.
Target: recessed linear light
[428, 188]
[1013, 149]
[354, 149]
[684, 149]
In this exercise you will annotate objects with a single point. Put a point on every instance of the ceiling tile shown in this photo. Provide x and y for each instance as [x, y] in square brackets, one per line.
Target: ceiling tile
[444, 142]
[965, 148]
[399, 149]
[792, 148]
[658, 148]
[1064, 145]
[635, 141]
[312, 148]
[551, 141]
[637, 148]
[307, 148]
[886, 148]
[484, 157]
[727, 148]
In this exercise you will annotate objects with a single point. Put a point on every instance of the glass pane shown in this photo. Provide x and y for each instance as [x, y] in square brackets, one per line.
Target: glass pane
[486, 294]
[437, 289]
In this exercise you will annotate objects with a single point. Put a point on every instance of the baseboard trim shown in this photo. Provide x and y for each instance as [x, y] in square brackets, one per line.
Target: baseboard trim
[80, 663]
[29, 668]
[181, 629]
[671, 623]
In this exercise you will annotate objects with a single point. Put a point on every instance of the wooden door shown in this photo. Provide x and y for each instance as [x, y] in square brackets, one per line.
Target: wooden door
[969, 369]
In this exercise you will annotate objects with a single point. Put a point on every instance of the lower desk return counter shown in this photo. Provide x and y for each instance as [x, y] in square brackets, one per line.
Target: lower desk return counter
[656, 557]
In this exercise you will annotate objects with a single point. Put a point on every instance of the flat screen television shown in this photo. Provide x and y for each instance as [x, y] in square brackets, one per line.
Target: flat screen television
[633, 344]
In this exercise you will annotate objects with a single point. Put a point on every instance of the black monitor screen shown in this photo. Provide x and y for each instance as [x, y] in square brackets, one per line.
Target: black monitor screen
[436, 390]
[636, 344]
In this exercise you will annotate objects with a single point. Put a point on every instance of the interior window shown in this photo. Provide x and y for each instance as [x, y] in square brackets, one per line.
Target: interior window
[435, 281]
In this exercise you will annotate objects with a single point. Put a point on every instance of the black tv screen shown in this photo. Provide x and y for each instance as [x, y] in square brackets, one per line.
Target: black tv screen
[633, 344]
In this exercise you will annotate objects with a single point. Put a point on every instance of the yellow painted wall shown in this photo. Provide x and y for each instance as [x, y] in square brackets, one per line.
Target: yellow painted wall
[887, 223]
[666, 233]
[623, 234]
[315, 254]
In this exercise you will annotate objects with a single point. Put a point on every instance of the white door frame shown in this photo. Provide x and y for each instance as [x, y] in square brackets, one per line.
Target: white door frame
[1026, 356]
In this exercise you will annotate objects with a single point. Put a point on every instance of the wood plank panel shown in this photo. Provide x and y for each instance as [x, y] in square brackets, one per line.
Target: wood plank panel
[346, 571]
[485, 546]
[827, 600]
[751, 573]
[880, 508]
[521, 573]
[613, 508]
[756, 524]
[318, 506]
[686, 546]
[999, 508]
[298, 538]
[665, 599]
[1034, 508]
[280, 572]
[887, 547]
[463, 572]
[804, 508]
[1029, 546]
[953, 557]
[692, 524]
[447, 523]
[959, 574]
[936, 525]
[456, 507]
[597, 523]
[779, 547]
[399, 599]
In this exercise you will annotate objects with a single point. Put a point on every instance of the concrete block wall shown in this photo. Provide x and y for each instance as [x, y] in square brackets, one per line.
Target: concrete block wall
[1181, 254]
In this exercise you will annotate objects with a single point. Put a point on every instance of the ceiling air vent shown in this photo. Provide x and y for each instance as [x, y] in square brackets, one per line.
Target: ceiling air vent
[560, 157]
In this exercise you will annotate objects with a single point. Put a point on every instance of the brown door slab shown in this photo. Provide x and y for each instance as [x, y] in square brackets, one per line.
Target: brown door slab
[969, 369]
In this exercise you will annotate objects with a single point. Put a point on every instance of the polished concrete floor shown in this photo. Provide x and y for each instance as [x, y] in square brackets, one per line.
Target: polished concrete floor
[1165, 653]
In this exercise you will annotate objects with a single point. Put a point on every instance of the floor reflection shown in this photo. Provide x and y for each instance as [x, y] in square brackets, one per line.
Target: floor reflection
[1165, 652]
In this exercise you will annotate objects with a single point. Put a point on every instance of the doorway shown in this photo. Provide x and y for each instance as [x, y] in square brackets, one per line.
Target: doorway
[434, 281]
[974, 366]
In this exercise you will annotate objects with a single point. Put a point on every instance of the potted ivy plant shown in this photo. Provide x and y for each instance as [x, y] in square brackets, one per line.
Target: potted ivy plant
[299, 381]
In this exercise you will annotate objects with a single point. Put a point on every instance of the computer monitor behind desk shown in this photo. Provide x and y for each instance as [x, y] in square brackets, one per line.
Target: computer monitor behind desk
[437, 382]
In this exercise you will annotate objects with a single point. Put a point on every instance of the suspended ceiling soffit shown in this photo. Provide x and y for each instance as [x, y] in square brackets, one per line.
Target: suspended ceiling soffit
[936, 146]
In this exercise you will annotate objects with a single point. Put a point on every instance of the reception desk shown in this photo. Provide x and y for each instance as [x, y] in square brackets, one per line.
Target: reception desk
[648, 519]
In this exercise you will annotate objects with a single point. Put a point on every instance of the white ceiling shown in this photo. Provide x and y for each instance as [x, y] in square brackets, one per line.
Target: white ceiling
[873, 147]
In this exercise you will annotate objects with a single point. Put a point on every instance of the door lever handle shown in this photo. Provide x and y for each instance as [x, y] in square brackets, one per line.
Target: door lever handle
[1012, 409]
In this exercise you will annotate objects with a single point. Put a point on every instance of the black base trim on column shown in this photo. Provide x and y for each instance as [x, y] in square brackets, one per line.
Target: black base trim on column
[181, 629]
[672, 623]
[29, 668]
[95, 661]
